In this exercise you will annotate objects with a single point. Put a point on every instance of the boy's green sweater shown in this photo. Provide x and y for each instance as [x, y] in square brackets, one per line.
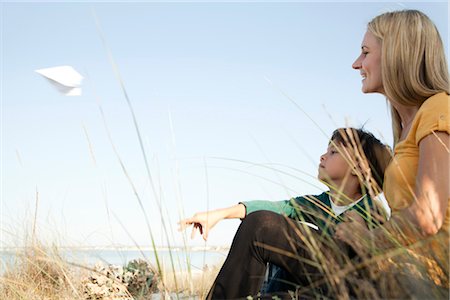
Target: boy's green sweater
[315, 209]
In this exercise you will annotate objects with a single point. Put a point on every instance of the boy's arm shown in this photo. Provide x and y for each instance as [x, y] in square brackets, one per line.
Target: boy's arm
[284, 207]
[204, 221]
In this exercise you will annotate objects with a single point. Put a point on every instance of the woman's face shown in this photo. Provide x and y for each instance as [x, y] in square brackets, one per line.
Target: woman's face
[369, 64]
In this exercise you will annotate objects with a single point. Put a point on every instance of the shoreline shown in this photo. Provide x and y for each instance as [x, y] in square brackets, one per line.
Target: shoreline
[127, 248]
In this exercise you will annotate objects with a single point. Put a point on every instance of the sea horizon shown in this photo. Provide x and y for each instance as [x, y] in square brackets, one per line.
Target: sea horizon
[182, 258]
[124, 248]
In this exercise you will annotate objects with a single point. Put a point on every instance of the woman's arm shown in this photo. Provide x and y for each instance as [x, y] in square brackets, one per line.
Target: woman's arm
[432, 184]
[204, 221]
[425, 216]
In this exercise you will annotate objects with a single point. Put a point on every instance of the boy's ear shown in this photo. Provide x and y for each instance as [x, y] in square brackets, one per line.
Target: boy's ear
[361, 168]
[356, 170]
[355, 167]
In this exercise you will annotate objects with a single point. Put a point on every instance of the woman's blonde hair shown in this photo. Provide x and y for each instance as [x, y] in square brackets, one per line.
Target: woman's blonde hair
[413, 63]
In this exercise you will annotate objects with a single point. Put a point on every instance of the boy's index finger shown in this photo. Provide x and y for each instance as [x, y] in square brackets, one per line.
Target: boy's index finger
[193, 232]
[185, 223]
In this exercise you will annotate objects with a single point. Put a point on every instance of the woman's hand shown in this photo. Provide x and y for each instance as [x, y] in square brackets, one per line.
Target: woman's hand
[354, 232]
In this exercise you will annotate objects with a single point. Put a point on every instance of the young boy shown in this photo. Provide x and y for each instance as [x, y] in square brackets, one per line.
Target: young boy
[352, 167]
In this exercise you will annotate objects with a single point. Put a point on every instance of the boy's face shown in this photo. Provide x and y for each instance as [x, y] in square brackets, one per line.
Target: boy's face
[333, 167]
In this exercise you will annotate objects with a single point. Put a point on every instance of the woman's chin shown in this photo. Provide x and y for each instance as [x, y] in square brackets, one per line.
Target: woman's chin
[368, 90]
[365, 90]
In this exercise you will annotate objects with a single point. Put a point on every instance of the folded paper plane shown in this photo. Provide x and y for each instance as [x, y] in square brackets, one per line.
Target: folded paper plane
[64, 78]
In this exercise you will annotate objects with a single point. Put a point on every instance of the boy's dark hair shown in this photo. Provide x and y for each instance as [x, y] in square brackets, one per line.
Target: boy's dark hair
[378, 155]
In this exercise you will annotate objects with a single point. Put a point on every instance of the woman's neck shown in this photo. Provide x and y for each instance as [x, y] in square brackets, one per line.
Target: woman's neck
[407, 114]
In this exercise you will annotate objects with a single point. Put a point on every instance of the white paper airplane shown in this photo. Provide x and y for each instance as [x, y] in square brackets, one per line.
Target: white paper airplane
[64, 78]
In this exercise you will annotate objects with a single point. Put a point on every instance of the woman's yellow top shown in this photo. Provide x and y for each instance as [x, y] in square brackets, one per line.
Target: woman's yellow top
[400, 183]
[400, 175]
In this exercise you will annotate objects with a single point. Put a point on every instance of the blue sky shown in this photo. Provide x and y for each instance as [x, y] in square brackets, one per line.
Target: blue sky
[206, 81]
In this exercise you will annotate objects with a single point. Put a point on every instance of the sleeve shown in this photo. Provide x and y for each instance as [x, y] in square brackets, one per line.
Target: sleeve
[433, 116]
[284, 207]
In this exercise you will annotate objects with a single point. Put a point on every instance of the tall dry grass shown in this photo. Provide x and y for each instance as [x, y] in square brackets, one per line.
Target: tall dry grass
[193, 284]
[40, 272]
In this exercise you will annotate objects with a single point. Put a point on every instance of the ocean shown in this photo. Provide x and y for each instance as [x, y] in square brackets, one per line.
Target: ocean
[196, 258]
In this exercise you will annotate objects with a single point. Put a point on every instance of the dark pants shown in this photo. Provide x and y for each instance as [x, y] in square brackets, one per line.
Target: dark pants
[266, 237]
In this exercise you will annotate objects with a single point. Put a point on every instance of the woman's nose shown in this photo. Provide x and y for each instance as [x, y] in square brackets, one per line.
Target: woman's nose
[322, 157]
[357, 63]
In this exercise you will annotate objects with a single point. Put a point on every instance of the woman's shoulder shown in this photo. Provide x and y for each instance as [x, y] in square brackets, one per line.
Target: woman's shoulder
[439, 102]
[433, 116]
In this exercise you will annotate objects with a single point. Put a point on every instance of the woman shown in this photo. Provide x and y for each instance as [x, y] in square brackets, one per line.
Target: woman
[403, 58]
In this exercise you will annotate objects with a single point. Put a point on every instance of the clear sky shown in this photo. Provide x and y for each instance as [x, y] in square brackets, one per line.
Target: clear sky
[207, 82]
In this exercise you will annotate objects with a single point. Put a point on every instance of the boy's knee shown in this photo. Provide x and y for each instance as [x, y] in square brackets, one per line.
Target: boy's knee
[263, 221]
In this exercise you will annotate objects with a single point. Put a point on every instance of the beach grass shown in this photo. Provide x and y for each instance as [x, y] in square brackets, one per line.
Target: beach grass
[41, 272]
